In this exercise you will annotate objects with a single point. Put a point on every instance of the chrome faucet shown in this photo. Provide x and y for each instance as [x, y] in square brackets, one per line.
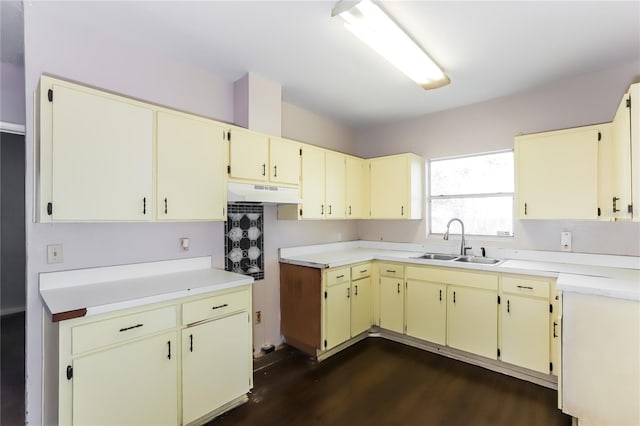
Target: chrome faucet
[463, 247]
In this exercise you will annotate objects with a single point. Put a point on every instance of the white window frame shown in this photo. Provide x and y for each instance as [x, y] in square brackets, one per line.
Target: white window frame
[431, 197]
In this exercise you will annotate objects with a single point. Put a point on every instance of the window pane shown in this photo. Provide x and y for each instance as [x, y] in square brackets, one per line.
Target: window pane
[481, 174]
[481, 216]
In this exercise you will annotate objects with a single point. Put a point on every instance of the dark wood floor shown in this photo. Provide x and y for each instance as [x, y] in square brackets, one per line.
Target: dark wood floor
[12, 369]
[379, 382]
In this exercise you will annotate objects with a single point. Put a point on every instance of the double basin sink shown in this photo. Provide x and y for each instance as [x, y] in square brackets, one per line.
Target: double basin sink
[458, 258]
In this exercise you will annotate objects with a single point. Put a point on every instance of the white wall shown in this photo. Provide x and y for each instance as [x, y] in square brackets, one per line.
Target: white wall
[12, 105]
[60, 49]
[492, 125]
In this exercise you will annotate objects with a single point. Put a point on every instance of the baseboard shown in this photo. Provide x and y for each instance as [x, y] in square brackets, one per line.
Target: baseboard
[11, 311]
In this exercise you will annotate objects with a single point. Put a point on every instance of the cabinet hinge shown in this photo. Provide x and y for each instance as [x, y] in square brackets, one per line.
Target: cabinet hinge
[628, 102]
[550, 308]
[229, 169]
[325, 294]
[498, 299]
[69, 372]
[50, 95]
[630, 209]
[498, 352]
[49, 209]
[599, 136]
[550, 366]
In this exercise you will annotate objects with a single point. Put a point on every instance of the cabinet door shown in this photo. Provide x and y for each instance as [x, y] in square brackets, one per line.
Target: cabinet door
[472, 320]
[337, 315]
[615, 165]
[392, 304]
[389, 188]
[357, 188]
[334, 185]
[191, 170]
[216, 365]
[101, 158]
[248, 155]
[427, 311]
[361, 306]
[132, 384]
[525, 332]
[284, 161]
[557, 174]
[312, 183]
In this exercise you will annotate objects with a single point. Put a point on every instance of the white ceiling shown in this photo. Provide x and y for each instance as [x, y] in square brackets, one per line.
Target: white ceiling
[489, 49]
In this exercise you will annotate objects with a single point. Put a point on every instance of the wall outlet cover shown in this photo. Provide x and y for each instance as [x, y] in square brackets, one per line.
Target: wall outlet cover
[565, 241]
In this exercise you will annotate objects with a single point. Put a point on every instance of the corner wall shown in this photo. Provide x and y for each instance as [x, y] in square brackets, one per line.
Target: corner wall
[491, 126]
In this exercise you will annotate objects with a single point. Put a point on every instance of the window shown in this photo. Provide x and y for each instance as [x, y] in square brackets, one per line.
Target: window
[477, 189]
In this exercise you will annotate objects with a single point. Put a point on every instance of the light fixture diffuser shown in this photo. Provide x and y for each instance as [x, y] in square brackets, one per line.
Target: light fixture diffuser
[374, 27]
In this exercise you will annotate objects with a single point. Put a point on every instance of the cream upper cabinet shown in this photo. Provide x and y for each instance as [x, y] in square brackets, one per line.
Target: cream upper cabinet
[96, 155]
[248, 155]
[426, 310]
[634, 108]
[284, 161]
[140, 379]
[191, 168]
[396, 187]
[334, 185]
[312, 183]
[472, 319]
[557, 173]
[216, 363]
[357, 188]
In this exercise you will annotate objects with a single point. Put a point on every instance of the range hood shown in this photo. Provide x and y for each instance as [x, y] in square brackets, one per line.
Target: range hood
[257, 193]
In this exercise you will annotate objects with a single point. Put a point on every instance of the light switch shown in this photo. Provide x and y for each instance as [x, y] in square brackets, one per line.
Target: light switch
[565, 241]
[184, 243]
[54, 253]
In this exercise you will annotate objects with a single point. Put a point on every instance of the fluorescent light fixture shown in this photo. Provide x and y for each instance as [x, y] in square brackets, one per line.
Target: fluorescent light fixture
[374, 27]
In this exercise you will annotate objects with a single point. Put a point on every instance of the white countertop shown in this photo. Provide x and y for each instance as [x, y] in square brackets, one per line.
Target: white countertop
[611, 276]
[100, 290]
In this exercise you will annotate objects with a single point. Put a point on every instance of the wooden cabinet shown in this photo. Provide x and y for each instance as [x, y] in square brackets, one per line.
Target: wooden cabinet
[334, 185]
[472, 320]
[396, 187]
[96, 155]
[357, 188]
[426, 310]
[557, 173]
[216, 362]
[140, 379]
[391, 297]
[361, 299]
[191, 172]
[141, 360]
[524, 322]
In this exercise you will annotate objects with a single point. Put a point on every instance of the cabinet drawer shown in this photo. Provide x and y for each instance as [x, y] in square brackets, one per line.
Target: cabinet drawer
[337, 276]
[360, 271]
[525, 286]
[391, 270]
[215, 306]
[116, 330]
[482, 280]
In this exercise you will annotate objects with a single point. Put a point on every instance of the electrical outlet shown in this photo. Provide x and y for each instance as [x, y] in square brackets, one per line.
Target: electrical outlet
[258, 317]
[565, 241]
[184, 243]
[54, 253]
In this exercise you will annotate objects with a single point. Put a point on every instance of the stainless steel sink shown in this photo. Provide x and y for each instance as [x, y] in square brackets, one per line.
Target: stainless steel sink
[474, 259]
[437, 256]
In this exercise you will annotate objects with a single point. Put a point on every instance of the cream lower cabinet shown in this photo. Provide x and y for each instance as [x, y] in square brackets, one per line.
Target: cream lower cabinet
[472, 318]
[214, 365]
[426, 310]
[524, 319]
[391, 297]
[337, 307]
[126, 367]
[361, 299]
[136, 383]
